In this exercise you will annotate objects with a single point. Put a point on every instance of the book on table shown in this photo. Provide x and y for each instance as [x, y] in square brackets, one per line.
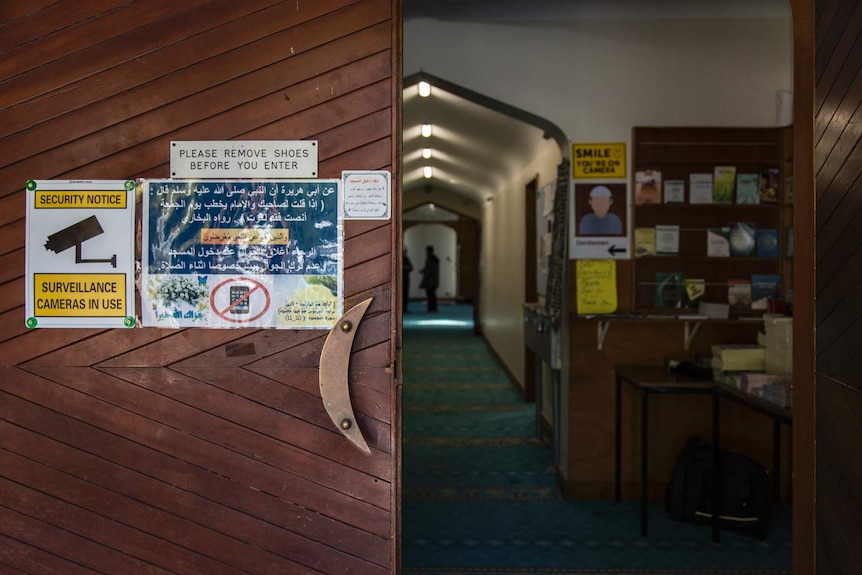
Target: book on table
[738, 357]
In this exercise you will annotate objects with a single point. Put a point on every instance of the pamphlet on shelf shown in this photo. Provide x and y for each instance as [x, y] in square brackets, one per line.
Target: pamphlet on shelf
[674, 191]
[769, 185]
[747, 189]
[700, 189]
[695, 288]
[742, 239]
[644, 242]
[647, 187]
[718, 242]
[739, 294]
[766, 243]
[724, 178]
[667, 239]
[763, 288]
[669, 290]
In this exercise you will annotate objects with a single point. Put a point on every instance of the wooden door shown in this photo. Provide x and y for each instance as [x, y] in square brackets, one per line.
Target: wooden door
[838, 284]
[194, 451]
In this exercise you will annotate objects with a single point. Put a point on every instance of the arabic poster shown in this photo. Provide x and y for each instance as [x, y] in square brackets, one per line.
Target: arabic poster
[366, 195]
[80, 257]
[596, 286]
[225, 254]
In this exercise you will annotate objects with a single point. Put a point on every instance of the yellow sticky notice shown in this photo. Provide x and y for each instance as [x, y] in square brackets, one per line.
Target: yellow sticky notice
[597, 286]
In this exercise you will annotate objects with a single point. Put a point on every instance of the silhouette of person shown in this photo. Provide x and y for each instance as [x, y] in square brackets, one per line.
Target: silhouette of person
[601, 222]
[431, 278]
[406, 267]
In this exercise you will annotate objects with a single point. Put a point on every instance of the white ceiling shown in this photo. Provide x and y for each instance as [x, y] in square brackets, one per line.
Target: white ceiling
[475, 148]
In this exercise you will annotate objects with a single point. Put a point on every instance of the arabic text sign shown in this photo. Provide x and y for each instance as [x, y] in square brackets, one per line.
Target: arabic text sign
[366, 195]
[262, 159]
[80, 253]
[228, 253]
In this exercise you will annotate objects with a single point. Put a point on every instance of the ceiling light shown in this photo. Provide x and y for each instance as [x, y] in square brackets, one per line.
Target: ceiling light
[426, 153]
[426, 130]
[427, 171]
[424, 89]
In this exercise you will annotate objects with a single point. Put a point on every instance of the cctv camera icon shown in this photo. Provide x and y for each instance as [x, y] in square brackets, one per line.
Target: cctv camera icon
[75, 235]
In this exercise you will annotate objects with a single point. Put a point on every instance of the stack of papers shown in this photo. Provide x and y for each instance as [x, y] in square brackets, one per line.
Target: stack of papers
[739, 357]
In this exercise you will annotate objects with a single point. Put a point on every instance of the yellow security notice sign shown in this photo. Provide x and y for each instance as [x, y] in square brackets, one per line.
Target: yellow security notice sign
[79, 295]
[599, 161]
[64, 199]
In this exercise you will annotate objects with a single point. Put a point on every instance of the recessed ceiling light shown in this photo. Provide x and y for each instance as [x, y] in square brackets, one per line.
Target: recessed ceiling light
[424, 89]
[427, 171]
[426, 130]
[426, 153]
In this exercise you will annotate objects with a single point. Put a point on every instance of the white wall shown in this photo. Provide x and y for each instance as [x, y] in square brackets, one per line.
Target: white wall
[445, 242]
[503, 255]
[596, 80]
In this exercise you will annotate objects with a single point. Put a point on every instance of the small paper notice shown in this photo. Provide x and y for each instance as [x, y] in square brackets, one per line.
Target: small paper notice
[367, 195]
[597, 286]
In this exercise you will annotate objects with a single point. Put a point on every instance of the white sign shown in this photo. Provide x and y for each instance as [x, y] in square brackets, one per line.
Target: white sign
[247, 159]
[80, 253]
[366, 195]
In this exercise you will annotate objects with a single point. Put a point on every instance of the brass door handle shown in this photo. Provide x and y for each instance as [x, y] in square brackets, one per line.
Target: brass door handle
[334, 361]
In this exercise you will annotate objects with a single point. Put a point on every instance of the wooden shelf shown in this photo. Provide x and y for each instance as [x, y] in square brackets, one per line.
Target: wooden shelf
[677, 153]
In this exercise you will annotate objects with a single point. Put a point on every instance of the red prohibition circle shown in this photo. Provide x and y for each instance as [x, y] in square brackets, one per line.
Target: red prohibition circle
[223, 313]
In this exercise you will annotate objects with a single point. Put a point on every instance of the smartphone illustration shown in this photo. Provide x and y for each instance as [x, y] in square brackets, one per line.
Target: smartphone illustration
[239, 299]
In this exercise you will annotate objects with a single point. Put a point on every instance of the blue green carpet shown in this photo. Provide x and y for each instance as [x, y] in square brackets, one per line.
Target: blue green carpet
[480, 494]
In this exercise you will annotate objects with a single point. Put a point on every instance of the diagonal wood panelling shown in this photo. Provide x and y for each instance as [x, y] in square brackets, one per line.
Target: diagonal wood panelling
[194, 451]
[838, 165]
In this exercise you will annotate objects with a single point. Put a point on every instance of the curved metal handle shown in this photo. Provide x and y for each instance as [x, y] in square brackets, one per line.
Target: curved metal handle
[334, 361]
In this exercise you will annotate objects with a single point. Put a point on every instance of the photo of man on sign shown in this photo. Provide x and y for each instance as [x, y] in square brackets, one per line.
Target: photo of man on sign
[600, 220]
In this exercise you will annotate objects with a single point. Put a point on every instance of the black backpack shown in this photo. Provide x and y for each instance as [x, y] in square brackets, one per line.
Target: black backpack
[745, 489]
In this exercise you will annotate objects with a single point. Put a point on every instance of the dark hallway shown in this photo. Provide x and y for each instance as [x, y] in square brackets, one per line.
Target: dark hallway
[480, 492]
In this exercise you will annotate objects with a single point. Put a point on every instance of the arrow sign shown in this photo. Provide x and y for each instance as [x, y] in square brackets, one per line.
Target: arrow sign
[614, 250]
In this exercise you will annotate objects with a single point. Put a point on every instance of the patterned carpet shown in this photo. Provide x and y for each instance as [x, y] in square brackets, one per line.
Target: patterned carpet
[480, 495]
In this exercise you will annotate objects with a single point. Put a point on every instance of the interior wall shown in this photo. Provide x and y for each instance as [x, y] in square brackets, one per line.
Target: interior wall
[445, 243]
[502, 273]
